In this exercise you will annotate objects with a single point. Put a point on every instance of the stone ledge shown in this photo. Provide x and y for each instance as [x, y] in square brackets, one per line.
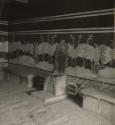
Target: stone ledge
[102, 95]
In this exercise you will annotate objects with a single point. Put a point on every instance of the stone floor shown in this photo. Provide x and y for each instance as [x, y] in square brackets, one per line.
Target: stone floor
[18, 108]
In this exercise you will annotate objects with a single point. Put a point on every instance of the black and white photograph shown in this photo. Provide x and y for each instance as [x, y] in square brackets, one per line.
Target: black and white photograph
[57, 62]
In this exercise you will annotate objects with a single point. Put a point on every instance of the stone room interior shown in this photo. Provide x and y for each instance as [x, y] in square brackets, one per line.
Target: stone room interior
[57, 62]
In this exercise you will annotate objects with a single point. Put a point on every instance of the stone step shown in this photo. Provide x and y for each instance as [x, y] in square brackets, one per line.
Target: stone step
[55, 99]
[50, 117]
[48, 98]
[99, 102]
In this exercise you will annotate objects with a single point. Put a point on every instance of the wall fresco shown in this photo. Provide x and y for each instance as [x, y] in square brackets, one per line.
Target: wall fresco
[3, 42]
[3, 48]
[86, 52]
[89, 37]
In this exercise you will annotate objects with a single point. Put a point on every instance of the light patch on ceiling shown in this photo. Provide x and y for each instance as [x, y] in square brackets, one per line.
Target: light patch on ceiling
[23, 1]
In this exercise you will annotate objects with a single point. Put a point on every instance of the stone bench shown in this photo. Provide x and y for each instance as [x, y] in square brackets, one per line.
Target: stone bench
[25, 74]
[100, 101]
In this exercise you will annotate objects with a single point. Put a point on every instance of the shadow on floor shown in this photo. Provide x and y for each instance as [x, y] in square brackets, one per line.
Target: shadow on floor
[76, 99]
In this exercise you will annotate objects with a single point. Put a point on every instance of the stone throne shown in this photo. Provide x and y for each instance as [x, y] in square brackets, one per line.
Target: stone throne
[58, 78]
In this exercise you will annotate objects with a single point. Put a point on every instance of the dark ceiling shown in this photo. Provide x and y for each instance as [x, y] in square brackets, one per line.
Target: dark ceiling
[38, 8]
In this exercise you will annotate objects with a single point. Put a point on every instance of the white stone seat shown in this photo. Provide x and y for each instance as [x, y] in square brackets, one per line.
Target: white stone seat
[100, 101]
[103, 95]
